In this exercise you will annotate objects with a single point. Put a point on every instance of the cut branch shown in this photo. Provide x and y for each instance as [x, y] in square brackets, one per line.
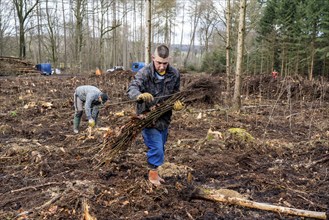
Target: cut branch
[216, 197]
[34, 187]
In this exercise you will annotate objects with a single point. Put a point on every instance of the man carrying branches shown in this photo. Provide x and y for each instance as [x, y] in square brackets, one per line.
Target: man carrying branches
[152, 85]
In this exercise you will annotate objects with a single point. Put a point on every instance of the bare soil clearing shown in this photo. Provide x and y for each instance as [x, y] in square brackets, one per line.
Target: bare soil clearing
[48, 172]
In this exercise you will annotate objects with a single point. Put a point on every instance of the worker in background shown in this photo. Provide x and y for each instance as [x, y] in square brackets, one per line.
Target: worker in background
[98, 72]
[274, 74]
[89, 97]
[148, 87]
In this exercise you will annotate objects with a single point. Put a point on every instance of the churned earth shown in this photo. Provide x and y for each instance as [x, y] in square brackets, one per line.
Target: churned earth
[274, 151]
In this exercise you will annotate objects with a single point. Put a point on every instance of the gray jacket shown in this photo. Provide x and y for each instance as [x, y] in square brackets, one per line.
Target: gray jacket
[146, 80]
[89, 95]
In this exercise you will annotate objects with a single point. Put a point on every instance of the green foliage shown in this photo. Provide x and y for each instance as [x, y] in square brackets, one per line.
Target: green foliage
[191, 67]
[214, 62]
[295, 35]
[13, 113]
[267, 24]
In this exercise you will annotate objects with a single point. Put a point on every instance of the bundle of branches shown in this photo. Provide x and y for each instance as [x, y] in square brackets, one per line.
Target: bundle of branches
[202, 89]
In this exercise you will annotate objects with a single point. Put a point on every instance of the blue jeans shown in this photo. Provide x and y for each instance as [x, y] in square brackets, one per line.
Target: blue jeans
[155, 140]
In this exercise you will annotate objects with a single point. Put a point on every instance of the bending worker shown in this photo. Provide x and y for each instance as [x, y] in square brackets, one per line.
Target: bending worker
[149, 86]
[89, 97]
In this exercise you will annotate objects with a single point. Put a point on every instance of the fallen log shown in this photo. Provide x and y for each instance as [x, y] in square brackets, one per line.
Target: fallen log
[212, 195]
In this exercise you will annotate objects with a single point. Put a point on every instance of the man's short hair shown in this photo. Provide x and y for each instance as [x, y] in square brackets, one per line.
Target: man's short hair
[162, 51]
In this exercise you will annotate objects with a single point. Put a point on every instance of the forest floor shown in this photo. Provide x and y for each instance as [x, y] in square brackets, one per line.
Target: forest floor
[48, 172]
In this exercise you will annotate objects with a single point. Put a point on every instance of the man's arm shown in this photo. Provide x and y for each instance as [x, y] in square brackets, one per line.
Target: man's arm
[88, 103]
[95, 111]
[136, 86]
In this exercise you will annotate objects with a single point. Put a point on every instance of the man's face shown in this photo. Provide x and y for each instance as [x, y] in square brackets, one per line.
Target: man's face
[160, 63]
[101, 100]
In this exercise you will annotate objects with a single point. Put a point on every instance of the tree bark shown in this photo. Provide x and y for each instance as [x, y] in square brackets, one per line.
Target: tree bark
[228, 46]
[148, 32]
[65, 44]
[52, 36]
[114, 40]
[239, 61]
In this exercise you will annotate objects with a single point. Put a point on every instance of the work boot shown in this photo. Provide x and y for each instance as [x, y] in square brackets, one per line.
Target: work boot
[76, 123]
[154, 178]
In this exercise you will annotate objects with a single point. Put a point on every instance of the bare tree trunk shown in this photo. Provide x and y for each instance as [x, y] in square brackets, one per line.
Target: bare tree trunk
[134, 34]
[182, 34]
[103, 10]
[148, 32]
[239, 61]
[114, 40]
[167, 29]
[94, 39]
[39, 34]
[310, 73]
[142, 34]
[182, 31]
[2, 28]
[228, 47]
[23, 13]
[52, 37]
[261, 57]
[65, 44]
[125, 33]
[79, 15]
[283, 59]
[195, 24]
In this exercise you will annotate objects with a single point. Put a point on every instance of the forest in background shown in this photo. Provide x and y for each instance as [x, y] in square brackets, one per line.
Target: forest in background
[266, 144]
[290, 36]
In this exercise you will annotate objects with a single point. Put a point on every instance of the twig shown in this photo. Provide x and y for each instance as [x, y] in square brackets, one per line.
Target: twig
[49, 202]
[313, 163]
[5, 158]
[34, 187]
[85, 210]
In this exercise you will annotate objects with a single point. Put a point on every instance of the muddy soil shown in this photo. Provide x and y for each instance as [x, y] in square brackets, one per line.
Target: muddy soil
[48, 172]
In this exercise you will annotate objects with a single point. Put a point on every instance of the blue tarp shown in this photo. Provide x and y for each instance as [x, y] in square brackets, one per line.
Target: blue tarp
[137, 66]
[44, 68]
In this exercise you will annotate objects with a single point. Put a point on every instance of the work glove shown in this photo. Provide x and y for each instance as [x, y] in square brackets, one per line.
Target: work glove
[178, 105]
[146, 97]
[91, 122]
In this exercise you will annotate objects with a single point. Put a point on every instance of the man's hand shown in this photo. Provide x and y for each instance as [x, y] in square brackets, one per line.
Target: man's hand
[91, 123]
[178, 105]
[146, 97]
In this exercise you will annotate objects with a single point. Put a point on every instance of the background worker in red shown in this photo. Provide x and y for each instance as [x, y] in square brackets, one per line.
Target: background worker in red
[149, 86]
[275, 74]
